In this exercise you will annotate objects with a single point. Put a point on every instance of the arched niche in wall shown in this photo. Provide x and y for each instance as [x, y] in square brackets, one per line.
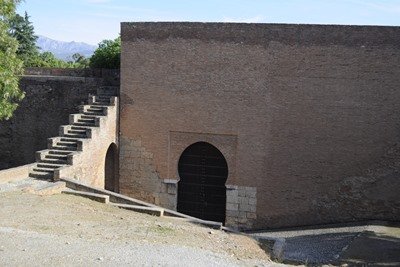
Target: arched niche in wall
[111, 181]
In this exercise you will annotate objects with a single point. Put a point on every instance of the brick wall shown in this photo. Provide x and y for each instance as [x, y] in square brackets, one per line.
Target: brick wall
[307, 116]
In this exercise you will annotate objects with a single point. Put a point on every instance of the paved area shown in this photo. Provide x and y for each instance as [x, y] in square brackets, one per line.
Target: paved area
[374, 248]
[372, 245]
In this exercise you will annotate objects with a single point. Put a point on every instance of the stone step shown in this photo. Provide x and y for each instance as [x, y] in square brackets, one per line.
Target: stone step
[60, 152]
[97, 103]
[67, 143]
[68, 139]
[65, 152]
[54, 161]
[68, 147]
[103, 96]
[56, 157]
[75, 135]
[94, 109]
[142, 209]
[93, 196]
[87, 120]
[84, 124]
[76, 131]
[49, 165]
[102, 100]
[41, 169]
[106, 102]
[92, 117]
[81, 128]
[41, 175]
[98, 107]
[93, 113]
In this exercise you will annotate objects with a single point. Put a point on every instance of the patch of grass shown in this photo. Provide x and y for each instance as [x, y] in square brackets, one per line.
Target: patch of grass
[162, 230]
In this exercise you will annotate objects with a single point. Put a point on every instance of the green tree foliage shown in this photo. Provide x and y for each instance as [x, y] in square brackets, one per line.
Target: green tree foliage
[107, 55]
[10, 64]
[22, 30]
[46, 60]
[80, 61]
[49, 60]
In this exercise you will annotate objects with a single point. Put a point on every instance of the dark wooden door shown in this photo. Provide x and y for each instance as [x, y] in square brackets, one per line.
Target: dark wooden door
[201, 190]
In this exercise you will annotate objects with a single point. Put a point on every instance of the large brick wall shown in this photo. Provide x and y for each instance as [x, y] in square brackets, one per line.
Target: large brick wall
[307, 116]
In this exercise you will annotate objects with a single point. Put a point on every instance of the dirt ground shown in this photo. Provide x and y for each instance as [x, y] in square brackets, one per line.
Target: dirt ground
[68, 230]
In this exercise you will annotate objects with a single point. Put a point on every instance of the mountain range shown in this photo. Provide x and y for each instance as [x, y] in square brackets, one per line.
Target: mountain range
[64, 50]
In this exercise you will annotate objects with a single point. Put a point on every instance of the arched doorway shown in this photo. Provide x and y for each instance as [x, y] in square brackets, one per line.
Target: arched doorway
[111, 182]
[203, 172]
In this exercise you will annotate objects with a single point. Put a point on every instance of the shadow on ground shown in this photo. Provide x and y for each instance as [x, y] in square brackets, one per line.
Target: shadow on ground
[316, 249]
[368, 245]
[371, 249]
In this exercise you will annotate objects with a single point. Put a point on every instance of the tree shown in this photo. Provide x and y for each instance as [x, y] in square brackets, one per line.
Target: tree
[80, 61]
[47, 60]
[22, 30]
[107, 55]
[10, 64]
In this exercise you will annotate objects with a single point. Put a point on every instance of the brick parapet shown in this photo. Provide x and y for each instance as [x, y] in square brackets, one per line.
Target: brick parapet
[264, 34]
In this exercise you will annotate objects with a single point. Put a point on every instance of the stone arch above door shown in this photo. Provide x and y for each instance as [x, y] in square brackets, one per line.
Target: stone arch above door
[179, 141]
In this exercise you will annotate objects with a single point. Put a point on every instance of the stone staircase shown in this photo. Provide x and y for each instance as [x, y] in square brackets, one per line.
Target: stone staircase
[72, 138]
[62, 161]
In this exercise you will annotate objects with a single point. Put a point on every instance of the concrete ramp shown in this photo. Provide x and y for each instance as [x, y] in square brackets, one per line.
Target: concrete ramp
[129, 203]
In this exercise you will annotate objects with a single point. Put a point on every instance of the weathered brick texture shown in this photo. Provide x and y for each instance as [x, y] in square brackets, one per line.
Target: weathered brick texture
[314, 111]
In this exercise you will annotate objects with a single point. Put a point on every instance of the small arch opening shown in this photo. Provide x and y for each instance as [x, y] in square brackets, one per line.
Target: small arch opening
[111, 182]
[203, 172]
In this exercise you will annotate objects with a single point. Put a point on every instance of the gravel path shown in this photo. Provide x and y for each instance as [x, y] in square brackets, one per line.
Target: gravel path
[64, 230]
[21, 248]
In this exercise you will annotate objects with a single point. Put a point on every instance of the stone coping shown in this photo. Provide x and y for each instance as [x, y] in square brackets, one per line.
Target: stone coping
[264, 34]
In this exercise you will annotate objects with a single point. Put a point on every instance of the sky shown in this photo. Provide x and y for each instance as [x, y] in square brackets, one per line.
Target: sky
[92, 21]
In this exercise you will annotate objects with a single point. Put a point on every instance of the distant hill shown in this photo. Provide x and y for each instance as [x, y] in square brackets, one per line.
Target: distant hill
[64, 50]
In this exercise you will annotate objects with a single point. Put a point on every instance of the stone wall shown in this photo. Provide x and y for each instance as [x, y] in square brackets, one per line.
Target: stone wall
[241, 206]
[49, 101]
[307, 116]
[109, 76]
